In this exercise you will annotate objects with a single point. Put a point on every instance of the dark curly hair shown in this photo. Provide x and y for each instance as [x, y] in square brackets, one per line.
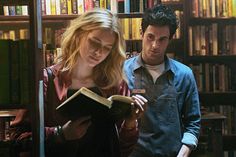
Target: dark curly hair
[160, 15]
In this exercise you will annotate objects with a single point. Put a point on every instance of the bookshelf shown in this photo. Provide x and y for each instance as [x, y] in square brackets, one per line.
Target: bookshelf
[209, 50]
[36, 23]
[34, 105]
[178, 46]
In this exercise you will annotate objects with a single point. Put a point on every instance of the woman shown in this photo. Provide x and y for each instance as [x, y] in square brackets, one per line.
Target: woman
[92, 56]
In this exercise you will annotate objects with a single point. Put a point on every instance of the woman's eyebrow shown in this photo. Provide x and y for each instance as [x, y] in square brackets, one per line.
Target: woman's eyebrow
[97, 39]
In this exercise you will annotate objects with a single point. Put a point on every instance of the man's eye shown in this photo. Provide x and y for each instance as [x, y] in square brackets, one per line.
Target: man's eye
[150, 37]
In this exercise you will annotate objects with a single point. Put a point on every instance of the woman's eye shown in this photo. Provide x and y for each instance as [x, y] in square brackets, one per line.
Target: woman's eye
[107, 49]
[94, 44]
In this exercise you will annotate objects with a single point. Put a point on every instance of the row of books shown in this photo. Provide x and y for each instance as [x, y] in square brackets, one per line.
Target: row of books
[5, 118]
[14, 10]
[214, 8]
[214, 77]
[18, 34]
[170, 0]
[132, 27]
[230, 153]
[212, 40]
[50, 55]
[68, 7]
[15, 72]
[4, 128]
[229, 111]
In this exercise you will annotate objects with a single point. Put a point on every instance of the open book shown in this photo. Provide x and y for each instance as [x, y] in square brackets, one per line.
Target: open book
[85, 102]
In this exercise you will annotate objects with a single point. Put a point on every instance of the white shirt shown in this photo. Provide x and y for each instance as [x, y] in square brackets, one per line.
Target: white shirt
[155, 70]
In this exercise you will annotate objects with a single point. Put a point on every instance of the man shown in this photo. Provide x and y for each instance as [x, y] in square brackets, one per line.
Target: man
[170, 126]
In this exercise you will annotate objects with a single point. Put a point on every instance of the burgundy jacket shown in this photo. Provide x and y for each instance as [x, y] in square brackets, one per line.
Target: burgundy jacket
[122, 141]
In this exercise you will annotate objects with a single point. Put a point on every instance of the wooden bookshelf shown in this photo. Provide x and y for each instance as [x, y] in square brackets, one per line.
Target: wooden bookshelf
[14, 2]
[211, 59]
[213, 99]
[207, 21]
[178, 46]
[33, 23]
[218, 98]
[14, 106]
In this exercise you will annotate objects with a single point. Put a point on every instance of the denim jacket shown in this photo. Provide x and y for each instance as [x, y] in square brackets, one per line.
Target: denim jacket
[172, 116]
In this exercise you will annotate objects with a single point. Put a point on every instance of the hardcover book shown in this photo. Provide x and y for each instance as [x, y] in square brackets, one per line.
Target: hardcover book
[85, 102]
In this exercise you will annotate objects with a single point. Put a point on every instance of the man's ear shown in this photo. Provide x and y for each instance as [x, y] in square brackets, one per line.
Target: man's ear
[141, 32]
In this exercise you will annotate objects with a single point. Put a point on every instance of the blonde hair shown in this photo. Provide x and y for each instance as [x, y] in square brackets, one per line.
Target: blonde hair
[108, 73]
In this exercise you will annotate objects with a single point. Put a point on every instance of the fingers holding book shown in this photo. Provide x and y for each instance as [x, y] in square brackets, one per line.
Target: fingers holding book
[138, 107]
[76, 129]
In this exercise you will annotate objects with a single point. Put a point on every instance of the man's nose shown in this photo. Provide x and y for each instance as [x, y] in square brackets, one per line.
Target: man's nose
[155, 44]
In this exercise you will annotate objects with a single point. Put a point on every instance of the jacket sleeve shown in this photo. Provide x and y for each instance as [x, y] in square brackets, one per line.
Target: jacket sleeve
[128, 136]
[192, 115]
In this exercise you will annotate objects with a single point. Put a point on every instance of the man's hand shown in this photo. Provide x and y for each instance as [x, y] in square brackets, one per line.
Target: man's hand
[184, 151]
[138, 108]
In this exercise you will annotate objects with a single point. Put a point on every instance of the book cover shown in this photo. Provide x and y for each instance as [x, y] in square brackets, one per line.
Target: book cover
[85, 102]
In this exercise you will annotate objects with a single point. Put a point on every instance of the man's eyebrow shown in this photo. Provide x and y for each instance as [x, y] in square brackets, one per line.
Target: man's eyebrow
[164, 37]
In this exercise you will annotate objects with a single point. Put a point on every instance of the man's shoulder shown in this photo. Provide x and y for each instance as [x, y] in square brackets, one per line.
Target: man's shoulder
[129, 63]
[130, 60]
[180, 68]
[178, 65]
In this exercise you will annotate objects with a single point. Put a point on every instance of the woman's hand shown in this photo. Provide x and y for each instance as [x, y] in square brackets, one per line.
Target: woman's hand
[73, 130]
[138, 108]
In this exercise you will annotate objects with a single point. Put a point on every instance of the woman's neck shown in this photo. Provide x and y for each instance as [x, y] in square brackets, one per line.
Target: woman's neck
[82, 76]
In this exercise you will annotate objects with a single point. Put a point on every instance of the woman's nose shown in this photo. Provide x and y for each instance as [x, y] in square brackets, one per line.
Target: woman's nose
[98, 52]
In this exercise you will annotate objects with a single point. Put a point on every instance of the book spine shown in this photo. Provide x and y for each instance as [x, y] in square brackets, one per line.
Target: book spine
[80, 5]
[120, 4]
[102, 4]
[15, 75]
[58, 7]
[114, 6]
[74, 7]
[127, 6]
[18, 10]
[12, 10]
[4, 72]
[53, 7]
[24, 71]
[63, 4]
[6, 10]
[234, 8]
[69, 7]
[24, 10]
